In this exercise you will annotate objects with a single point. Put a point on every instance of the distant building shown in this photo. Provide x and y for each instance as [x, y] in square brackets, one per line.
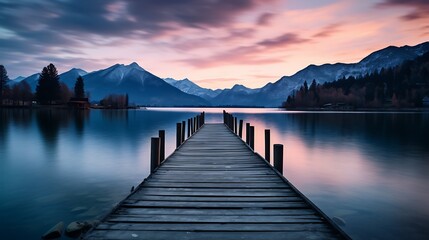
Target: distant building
[425, 101]
[78, 103]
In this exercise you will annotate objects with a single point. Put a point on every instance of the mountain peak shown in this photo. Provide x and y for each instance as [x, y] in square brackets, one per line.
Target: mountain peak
[135, 66]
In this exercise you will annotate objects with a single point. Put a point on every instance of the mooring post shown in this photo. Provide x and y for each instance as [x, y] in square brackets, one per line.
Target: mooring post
[240, 130]
[252, 137]
[192, 126]
[235, 126]
[224, 117]
[154, 153]
[161, 135]
[247, 132]
[189, 127]
[183, 131]
[204, 118]
[278, 157]
[178, 134]
[195, 124]
[267, 145]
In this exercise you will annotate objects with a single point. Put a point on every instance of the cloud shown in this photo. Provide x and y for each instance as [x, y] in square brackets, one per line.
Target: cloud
[283, 40]
[249, 55]
[328, 31]
[420, 8]
[265, 19]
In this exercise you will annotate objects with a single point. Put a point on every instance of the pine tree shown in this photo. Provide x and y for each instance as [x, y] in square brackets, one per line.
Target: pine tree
[3, 81]
[79, 91]
[48, 89]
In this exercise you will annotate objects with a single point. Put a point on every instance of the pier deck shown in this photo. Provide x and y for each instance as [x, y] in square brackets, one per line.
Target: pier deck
[215, 187]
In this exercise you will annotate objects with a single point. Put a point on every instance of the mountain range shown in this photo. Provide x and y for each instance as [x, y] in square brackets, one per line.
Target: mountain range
[145, 88]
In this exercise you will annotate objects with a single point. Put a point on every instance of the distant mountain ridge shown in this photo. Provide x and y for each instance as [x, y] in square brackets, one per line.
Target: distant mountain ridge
[146, 88]
[273, 94]
[142, 87]
[187, 86]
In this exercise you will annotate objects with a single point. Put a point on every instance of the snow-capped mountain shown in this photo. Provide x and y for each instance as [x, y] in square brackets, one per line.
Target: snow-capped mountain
[238, 95]
[273, 94]
[142, 87]
[32, 80]
[187, 86]
[69, 77]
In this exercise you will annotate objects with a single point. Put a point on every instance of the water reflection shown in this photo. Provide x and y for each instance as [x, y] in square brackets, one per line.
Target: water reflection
[371, 169]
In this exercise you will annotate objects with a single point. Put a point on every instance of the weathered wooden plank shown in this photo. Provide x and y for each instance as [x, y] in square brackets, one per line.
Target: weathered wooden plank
[213, 219]
[189, 204]
[207, 235]
[209, 212]
[251, 227]
[215, 199]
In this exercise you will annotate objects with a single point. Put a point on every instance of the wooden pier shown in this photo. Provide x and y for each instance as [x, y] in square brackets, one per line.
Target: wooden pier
[215, 187]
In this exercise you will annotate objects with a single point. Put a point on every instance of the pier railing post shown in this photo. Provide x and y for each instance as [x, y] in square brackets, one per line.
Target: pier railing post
[247, 132]
[178, 134]
[204, 118]
[189, 127]
[183, 131]
[278, 157]
[161, 135]
[235, 125]
[267, 145]
[240, 129]
[154, 153]
[252, 137]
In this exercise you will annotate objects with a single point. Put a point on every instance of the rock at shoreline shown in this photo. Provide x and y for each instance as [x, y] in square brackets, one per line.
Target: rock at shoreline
[75, 229]
[54, 232]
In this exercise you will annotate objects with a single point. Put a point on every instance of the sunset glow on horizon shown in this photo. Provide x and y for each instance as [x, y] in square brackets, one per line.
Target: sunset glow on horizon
[216, 44]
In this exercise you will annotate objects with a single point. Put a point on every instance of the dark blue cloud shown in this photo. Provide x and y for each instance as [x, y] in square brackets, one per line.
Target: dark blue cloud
[421, 8]
[45, 27]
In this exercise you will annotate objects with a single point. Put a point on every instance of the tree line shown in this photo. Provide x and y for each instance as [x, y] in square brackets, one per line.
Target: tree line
[49, 89]
[401, 86]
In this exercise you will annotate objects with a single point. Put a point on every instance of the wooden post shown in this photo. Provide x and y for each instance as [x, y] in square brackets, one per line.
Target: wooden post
[224, 116]
[183, 131]
[178, 134]
[198, 122]
[240, 130]
[192, 124]
[189, 127]
[204, 117]
[252, 137]
[235, 125]
[267, 145]
[154, 153]
[195, 124]
[278, 157]
[161, 135]
[247, 132]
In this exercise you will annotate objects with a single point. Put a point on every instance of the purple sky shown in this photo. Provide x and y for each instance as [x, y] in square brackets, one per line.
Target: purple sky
[215, 43]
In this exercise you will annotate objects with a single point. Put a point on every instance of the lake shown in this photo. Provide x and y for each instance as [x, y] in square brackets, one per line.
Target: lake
[369, 169]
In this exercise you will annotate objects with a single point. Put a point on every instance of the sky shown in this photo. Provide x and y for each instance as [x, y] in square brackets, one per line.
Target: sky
[215, 43]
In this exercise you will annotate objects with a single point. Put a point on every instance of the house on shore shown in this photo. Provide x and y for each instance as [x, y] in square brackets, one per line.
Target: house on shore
[78, 103]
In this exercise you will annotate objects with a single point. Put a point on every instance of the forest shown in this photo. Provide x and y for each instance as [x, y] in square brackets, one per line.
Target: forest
[402, 86]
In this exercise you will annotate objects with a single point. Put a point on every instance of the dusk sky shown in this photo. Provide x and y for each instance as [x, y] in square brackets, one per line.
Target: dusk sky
[215, 43]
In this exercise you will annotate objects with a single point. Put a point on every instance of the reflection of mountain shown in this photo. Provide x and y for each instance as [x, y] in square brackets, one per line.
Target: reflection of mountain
[387, 132]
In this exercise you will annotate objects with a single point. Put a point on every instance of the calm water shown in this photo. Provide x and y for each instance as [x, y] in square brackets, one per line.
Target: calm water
[370, 169]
